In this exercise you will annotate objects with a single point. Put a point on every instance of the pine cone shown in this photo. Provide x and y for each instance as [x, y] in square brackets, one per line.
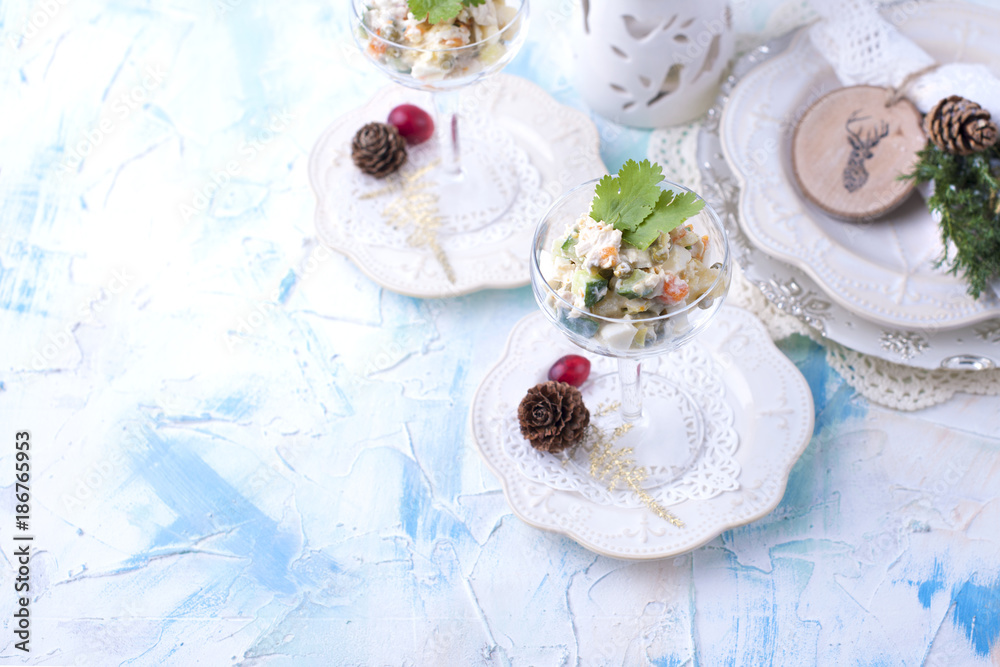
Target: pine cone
[378, 149]
[553, 416]
[960, 126]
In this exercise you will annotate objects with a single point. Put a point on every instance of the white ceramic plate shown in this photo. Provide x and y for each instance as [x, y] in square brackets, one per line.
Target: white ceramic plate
[556, 148]
[882, 271]
[789, 288]
[772, 414]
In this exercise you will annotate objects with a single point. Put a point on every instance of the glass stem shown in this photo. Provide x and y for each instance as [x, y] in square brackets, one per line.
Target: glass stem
[446, 105]
[630, 378]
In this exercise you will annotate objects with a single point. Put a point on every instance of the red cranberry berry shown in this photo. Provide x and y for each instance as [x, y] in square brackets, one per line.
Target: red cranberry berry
[572, 369]
[414, 124]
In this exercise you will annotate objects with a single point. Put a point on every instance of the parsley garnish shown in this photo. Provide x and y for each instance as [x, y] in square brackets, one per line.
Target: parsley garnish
[670, 211]
[636, 206]
[626, 201]
[439, 11]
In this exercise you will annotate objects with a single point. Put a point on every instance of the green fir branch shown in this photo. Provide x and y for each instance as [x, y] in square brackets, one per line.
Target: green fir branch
[966, 195]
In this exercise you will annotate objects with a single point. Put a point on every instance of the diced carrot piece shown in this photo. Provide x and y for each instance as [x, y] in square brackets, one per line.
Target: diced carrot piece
[675, 289]
[376, 47]
[701, 253]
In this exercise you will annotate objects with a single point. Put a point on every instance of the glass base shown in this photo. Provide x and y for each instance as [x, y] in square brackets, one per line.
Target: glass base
[667, 441]
[481, 193]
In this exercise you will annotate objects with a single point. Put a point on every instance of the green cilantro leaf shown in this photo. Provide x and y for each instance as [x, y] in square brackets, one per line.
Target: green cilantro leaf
[670, 211]
[472, 3]
[624, 202]
[435, 11]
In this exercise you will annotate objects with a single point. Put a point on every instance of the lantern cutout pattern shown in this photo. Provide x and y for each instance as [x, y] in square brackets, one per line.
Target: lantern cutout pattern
[651, 63]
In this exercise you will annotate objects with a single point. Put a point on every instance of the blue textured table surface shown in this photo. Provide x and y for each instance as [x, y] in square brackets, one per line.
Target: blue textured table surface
[243, 451]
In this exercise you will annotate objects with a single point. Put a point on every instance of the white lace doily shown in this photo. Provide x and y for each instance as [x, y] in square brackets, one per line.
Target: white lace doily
[546, 146]
[371, 220]
[772, 412]
[707, 466]
[675, 149]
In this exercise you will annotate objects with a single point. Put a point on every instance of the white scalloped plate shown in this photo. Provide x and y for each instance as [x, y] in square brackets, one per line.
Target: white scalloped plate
[971, 348]
[882, 271]
[561, 143]
[773, 416]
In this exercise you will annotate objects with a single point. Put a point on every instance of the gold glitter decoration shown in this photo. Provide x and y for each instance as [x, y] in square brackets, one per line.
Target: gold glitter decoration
[605, 409]
[415, 205]
[616, 465]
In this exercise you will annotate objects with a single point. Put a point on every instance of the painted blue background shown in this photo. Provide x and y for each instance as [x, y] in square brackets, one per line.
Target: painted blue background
[248, 453]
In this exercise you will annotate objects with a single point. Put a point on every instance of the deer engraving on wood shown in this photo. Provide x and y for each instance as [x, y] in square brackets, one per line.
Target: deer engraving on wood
[855, 174]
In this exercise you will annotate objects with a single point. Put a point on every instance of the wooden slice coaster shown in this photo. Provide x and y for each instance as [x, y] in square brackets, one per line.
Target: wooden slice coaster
[849, 150]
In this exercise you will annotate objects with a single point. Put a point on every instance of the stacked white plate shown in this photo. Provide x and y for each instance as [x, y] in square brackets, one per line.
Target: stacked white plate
[872, 287]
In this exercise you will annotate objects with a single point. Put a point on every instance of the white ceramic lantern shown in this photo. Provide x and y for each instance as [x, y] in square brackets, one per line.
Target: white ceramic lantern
[651, 63]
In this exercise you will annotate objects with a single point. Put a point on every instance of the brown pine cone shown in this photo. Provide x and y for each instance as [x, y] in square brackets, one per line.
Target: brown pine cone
[553, 416]
[378, 150]
[960, 126]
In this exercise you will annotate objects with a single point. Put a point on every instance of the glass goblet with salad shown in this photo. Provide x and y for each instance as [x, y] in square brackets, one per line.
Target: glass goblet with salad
[631, 266]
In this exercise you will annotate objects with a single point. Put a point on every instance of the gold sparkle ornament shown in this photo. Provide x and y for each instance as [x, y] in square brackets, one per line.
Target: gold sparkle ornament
[617, 466]
[415, 205]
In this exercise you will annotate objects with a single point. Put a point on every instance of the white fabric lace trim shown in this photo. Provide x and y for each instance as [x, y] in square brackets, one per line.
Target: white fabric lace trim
[906, 388]
[864, 48]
